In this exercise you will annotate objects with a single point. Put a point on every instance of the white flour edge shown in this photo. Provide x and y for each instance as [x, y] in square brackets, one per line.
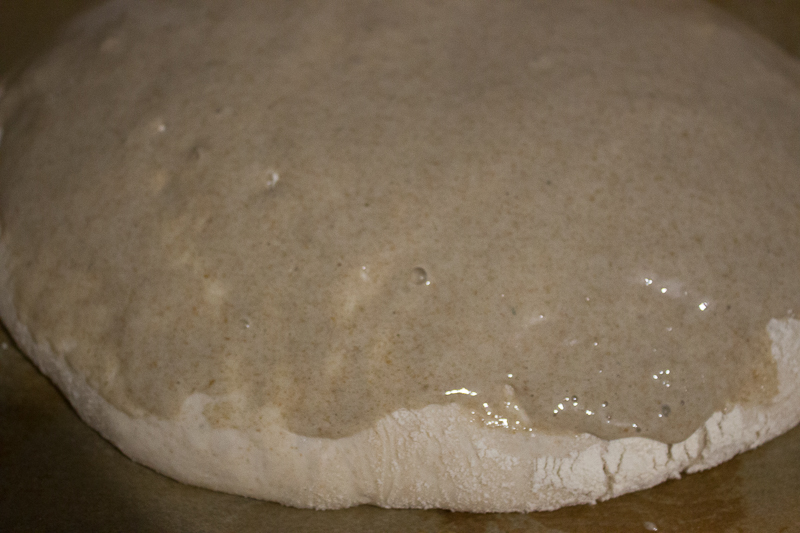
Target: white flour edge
[435, 457]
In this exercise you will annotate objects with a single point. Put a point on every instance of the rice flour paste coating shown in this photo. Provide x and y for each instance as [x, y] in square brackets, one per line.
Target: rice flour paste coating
[479, 256]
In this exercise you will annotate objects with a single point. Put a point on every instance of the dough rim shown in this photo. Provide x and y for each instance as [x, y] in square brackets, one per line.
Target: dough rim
[434, 457]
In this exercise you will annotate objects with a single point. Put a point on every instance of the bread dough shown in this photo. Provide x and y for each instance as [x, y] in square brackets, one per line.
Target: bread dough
[484, 257]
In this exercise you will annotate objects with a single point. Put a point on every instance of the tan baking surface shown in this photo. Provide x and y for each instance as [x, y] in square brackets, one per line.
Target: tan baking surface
[56, 473]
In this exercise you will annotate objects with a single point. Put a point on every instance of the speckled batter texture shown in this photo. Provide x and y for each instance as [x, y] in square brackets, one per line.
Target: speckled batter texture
[481, 256]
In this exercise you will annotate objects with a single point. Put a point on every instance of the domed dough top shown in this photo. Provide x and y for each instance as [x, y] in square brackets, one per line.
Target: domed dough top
[567, 216]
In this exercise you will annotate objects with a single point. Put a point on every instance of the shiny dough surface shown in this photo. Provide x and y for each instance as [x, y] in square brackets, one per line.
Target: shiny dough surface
[547, 220]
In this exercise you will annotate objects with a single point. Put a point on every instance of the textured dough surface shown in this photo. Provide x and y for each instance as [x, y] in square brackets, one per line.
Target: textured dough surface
[436, 457]
[81, 276]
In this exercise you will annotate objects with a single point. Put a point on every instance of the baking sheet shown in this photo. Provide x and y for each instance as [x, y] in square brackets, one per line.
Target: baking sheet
[57, 474]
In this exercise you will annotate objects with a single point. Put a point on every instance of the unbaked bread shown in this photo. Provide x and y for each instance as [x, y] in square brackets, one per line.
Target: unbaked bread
[477, 256]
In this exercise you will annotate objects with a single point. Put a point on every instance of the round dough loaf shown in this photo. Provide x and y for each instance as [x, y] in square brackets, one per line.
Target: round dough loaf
[330, 254]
